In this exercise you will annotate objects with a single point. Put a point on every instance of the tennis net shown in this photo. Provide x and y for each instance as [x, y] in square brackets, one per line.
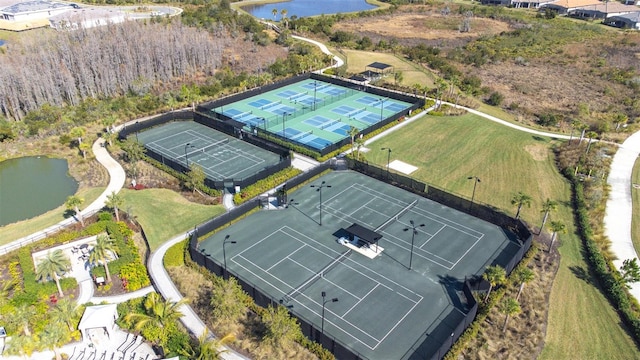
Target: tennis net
[305, 285]
[396, 216]
[205, 148]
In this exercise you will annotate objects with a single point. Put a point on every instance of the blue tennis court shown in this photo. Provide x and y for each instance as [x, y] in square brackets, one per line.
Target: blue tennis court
[287, 94]
[343, 110]
[260, 103]
[317, 121]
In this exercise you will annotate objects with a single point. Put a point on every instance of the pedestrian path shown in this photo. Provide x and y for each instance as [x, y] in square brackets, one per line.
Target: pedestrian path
[619, 210]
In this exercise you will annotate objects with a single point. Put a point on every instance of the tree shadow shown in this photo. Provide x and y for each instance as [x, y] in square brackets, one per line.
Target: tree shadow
[69, 213]
[581, 273]
[538, 138]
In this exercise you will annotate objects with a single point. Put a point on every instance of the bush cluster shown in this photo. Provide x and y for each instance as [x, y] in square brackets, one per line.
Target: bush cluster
[180, 176]
[264, 185]
[604, 270]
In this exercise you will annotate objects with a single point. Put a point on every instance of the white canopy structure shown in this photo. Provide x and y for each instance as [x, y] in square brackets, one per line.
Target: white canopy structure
[101, 318]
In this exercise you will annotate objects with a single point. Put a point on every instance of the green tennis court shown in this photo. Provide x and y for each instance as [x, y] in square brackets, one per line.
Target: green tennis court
[221, 156]
[390, 294]
[312, 112]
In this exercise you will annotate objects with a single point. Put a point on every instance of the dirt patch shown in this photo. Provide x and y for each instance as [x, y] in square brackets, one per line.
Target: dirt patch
[537, 152]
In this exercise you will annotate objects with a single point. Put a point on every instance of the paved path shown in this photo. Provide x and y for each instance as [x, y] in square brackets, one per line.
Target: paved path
[116, 181]
[168, 290]
[618, 215]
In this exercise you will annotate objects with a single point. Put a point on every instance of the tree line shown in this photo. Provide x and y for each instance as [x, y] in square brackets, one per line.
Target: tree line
[65, 68]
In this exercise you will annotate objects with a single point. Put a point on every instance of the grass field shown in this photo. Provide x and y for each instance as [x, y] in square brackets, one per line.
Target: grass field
[635, 194]
[412, 74]
[23, 228]
[582, 323]
[164, 213]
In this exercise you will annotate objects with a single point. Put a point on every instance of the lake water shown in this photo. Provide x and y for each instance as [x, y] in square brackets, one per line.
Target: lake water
[31, 186]
[302, 8]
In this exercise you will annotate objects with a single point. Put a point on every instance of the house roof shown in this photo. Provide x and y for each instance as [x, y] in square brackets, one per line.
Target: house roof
[633, 17]
[88, 14]
[612, 7]
[363, 233]
[99, 316]
[33, 6]
[571, 4]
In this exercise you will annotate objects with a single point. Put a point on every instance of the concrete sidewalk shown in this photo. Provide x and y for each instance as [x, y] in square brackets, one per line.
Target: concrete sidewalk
[163, 284]
[619, 212]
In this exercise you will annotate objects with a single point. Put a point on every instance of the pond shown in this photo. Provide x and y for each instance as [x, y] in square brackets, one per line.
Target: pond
[302, 8]
[31, 186]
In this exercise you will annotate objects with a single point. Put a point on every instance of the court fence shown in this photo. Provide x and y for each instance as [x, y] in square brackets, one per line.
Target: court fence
[437, 341]
[205, 113]
[187, 115]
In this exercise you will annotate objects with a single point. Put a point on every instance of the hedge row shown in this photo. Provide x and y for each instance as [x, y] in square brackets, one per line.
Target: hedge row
[485, 308]
[265, 185]
[606, 273]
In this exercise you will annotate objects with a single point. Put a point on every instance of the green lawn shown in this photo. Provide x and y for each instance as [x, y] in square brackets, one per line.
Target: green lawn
[23, 228]
[447, 150]
[164, 213]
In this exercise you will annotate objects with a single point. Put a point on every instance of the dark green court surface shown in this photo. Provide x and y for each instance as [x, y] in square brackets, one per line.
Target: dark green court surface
[220, 156]
[385, 308]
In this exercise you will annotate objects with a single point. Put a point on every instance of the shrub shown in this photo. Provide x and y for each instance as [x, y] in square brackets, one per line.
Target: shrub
[175, 254]
[265, 184]
[495, 99]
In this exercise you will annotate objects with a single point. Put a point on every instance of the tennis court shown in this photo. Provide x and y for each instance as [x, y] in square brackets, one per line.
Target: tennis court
[220, 156]
[312, 112]
[387, 303]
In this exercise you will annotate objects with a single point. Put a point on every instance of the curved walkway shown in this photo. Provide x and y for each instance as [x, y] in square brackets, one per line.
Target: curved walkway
[619, 212]
[116, 181]
[168, 290]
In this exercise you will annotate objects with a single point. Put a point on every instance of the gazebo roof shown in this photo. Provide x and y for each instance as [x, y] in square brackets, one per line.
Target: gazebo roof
[99, 316]
[379, 66]
[364, 233]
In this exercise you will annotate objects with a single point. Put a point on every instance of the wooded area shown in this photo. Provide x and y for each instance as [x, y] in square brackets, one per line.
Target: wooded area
[65, 68]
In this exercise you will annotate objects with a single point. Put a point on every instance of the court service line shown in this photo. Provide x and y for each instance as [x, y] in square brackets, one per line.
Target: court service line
[396, 325]
[466, 252]
[416, 252]
[285, 258]
[432, 236]
[359, 301]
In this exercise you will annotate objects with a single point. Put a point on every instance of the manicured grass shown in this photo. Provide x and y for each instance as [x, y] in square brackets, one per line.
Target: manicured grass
[582, 323]
[164, 213]
[24, 228]
[412, 74]
[635, 195]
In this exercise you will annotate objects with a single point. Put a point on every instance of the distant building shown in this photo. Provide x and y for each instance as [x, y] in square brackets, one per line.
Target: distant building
[603, 10]
[86, 18]
[627, 21]
[34, 10]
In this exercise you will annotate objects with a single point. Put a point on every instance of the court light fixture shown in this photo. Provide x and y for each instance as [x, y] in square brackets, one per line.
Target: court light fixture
[324, 302]
[319, 190]
[224, 253]
[414, 232]
[186, 156]
[388, 159]
[476, 180]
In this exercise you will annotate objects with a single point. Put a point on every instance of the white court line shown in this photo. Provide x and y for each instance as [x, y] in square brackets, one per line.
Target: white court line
[466, 252]
[432, 236]
[283, 259]
[359, 301]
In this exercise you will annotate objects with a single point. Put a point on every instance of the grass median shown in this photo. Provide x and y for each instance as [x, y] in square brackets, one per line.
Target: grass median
[164, 213]
[447, 150]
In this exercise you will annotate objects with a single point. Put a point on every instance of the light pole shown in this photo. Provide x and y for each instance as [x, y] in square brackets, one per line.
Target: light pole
[186, 156]
[319, 190]
[414, 231]
[476, 180]
[315, 87]
[382, 107]
[224, 254]
[324, 302]
[388, 159]
[137, 130]
[283, 116]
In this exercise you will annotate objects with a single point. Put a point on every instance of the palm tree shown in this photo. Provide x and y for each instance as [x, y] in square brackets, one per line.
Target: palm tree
[159, 313]
[108, 123]
[67, 312]
[523, 275]
[84, 147]
[547, 207]
[73, 203]
[52, 338]
[556, 227]
[52, 266]
[5, 288]
[115, 202]
[109, 137]
[359, 145]
[495, 275]
[101, 251]
[591, 135]
[20, 316]
[353, 132]
[78, 133]
[208, 347]
[520, 199]
[21, 345]
[274, 11]
[508, 306]
[283, 17]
